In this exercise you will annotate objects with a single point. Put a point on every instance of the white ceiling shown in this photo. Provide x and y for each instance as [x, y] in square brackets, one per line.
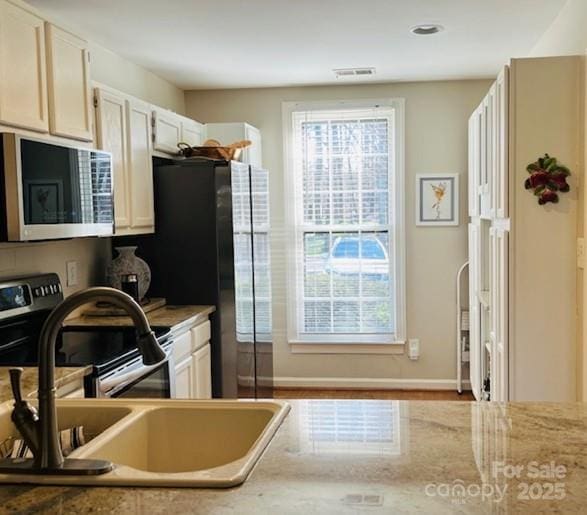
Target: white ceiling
[251, 43]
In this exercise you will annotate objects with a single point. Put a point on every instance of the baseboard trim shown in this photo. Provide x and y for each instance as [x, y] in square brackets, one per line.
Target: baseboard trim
[359, 383]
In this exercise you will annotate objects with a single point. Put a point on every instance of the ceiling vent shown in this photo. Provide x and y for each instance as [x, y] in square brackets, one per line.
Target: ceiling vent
[342, 73]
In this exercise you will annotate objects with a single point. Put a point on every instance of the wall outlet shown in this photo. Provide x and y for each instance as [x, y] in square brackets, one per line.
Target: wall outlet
[414, 349]
[581, 253]
[72, 273]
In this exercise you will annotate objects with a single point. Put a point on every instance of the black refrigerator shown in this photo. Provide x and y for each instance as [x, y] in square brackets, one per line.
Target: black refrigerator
[211, 246]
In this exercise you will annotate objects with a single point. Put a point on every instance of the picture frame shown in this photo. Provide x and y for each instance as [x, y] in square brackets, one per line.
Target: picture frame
[437, 199]
[44, 201]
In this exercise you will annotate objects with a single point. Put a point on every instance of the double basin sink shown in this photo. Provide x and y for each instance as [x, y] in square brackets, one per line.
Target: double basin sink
[181, 443]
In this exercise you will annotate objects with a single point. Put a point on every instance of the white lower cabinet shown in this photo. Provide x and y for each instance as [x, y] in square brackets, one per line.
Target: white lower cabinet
[202, 373]
[183, 379]
[192, 356]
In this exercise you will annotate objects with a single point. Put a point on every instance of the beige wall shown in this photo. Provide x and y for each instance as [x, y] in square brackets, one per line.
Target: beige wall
[91, 253]
[112, 70]
[31, 258]
[436, 141]
[567, 34]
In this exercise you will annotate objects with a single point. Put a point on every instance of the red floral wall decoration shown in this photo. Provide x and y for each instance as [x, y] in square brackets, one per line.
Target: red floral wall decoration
[547, 179]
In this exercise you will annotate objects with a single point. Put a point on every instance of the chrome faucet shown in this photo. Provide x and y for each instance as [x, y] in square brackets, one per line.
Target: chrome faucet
[40, 432]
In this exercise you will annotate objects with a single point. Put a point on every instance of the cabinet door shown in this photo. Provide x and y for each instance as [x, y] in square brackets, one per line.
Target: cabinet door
[192, 133]
[167, 131]
[140, 165]
[68, 73]
[486, 152]
[23, 76]
[501, 185]
[183, 379]
[476, 354]
[474, 164]
[253, 154]
[202, 373]
[500, 356]
[112, 136]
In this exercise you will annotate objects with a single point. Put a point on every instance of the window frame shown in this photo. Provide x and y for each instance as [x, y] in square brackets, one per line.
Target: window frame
[343, 343]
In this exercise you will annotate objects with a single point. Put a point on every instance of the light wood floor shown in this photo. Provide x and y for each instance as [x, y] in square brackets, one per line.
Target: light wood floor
[414, 395]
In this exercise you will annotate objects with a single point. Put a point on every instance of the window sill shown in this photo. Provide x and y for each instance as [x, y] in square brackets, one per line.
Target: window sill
[304, 347]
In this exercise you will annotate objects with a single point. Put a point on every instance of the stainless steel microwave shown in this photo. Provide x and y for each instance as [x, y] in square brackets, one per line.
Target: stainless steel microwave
[53, 191]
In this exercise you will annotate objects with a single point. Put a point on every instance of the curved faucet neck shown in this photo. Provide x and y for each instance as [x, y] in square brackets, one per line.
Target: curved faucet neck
[50, 455]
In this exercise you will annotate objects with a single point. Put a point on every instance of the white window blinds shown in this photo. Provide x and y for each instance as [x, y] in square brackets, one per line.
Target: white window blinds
[343, 165]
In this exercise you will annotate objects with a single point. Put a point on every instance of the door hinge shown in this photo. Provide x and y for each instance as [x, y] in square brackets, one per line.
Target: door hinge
[95, 101]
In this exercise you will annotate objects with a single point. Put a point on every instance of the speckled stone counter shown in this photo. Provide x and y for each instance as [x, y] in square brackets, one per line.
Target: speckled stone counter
[29, 382]
[346, 456]
[167, 316]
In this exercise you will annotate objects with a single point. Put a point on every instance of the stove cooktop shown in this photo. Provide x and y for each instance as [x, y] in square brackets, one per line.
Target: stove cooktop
[104, 348]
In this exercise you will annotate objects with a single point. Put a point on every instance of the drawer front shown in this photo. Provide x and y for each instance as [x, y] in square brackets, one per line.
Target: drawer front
[182, 347]
[201, 335]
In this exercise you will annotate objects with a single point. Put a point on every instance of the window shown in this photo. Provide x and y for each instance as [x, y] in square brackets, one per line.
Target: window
[344, 189]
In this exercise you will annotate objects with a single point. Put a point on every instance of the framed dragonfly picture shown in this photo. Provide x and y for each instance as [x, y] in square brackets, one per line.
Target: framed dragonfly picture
[437, 199]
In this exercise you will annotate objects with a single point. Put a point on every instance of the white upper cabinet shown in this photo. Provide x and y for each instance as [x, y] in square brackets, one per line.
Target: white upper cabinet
[140, 165]
[68, 74]
[487, 153]
[253, 154]
[111, 131]
[500, 193]
[474, 162]
[23, 76]
[166, 131]
[192, 132]
[227, 133]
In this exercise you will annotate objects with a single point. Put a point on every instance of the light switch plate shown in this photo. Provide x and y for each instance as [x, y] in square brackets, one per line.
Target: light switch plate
[72, 273]
[581, 253]
[414, 349]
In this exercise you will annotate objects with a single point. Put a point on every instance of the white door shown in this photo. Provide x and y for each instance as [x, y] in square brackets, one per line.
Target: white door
[183, 379]
[23, 74]
[140, 165]
[112, 136]
[202, 373]
[192, 132]
[68, 73]
[167, 131]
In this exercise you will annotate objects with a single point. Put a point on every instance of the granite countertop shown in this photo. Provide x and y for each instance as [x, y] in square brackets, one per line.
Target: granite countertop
[347, 456]
[29, 381]
[167, 316]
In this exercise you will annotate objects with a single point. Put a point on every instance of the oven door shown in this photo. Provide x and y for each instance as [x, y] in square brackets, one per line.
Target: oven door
[135, 380]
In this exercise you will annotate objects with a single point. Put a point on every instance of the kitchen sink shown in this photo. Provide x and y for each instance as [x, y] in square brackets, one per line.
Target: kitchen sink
[188, 443]
[94, 421]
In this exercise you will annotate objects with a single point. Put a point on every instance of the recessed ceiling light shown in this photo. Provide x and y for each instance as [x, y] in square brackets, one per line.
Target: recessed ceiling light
[426, 29]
